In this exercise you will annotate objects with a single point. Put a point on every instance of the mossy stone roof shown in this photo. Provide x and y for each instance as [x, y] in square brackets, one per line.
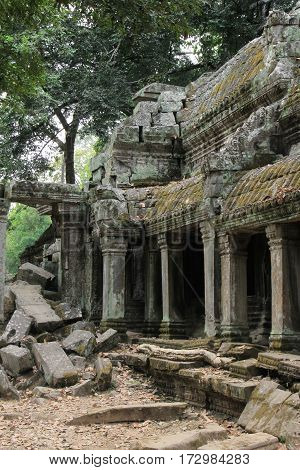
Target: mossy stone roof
[266, 185]
[177, 196]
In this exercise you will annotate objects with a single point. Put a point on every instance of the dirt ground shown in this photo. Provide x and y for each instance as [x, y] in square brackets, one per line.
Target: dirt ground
[37, 423]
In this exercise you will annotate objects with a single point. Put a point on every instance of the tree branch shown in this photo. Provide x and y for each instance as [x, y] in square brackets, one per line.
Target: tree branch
[62, 118]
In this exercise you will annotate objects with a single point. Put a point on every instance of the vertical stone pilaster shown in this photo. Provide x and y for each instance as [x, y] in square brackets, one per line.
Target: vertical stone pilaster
[93, 279]
[212, 279]
[4, 207]
[284, 243]
[153, 300]
[233, 251]
[173, 322]
[72, 231]
[114, 249]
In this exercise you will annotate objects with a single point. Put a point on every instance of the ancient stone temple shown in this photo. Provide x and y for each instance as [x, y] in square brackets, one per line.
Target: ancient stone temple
[190, 225]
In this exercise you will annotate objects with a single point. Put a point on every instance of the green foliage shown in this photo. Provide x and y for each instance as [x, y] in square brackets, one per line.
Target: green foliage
[25, 226]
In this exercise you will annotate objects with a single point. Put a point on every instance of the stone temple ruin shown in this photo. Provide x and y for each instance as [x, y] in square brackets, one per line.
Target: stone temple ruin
[190, 226]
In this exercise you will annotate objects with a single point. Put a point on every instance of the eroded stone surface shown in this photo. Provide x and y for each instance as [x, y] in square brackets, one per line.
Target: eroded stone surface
[68, 313]
[7, 390]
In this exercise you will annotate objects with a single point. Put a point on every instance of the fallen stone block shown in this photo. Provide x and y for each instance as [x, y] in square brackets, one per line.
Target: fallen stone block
[244, 369]
[57, 368]
[33, 274]
[133, 337]
[103, 368]
[17, 328]
[132, 413]
[47, 393]
[273, 410]
[68, 313]
[16, 360]
[31, 303]
[9, 305]
[7, 390]
[83, 389]
[188, 440]
[258, 441]
[81, 342]
[107, 341]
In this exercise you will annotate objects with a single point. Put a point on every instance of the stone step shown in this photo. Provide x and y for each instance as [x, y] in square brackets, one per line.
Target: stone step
[257, 441]
[188, 440]
[132, 413]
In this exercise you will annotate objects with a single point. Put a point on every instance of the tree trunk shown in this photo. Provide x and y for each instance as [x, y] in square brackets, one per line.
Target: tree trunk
[69, 151]
[69, 157]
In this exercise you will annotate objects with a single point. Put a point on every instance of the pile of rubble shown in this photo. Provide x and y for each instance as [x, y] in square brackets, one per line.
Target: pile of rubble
[46, 343]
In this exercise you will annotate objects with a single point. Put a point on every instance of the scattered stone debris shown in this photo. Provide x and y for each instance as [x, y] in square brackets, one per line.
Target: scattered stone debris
[257, 441]
[46, 392]
[82, 389]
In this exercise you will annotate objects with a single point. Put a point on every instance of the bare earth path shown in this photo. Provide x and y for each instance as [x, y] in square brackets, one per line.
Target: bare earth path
[35, 423]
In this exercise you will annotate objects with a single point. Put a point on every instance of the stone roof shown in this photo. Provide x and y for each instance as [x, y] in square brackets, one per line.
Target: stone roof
[265, 186]
[210, 90]
[176, 197]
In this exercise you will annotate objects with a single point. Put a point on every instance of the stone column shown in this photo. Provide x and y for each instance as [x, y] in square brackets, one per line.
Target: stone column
[72, 231]
[284, 242]
[212, 280]
[114, 248]
[173, 323]
[233, 251]
[93, 278]
[153, 300]
[4, 207]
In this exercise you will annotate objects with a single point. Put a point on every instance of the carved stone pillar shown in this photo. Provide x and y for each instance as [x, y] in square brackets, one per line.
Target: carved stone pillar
[284, 242]
[153, 301]
[4, 207]
[212, 279]
[114, 248]
[72, 230]
[173, 322]
[233, 251]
